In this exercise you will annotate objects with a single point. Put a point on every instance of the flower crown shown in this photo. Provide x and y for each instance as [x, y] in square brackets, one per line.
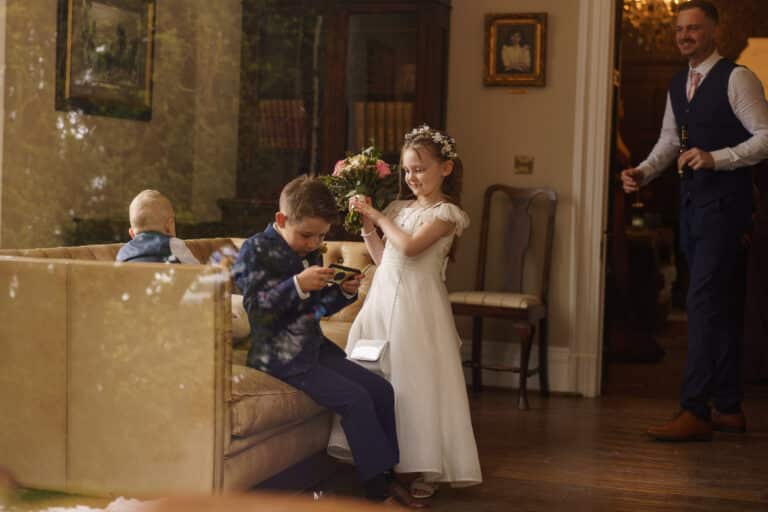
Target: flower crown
[446, 142]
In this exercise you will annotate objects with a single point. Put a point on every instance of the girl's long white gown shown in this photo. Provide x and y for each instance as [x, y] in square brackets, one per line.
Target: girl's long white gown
[408, 305]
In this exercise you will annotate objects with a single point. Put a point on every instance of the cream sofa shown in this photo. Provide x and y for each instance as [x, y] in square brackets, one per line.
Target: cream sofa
[120, 379]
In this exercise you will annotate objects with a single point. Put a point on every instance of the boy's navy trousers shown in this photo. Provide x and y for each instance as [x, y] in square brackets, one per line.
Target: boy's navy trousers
[364, 400]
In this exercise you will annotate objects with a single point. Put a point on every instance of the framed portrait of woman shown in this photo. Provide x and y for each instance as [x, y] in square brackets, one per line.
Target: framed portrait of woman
[515, 49]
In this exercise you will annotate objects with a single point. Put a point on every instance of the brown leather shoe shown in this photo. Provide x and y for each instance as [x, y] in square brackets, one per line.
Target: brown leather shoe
[733, 423]
[684, 427]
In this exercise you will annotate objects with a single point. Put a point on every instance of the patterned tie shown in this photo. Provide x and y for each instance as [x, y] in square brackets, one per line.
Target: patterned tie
[694, 78]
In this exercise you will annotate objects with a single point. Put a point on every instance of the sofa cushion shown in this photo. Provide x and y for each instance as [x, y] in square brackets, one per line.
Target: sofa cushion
[100, 252]
[203, 248]
[261, 402]
[239, 356]
[336, 331]
[351, 254]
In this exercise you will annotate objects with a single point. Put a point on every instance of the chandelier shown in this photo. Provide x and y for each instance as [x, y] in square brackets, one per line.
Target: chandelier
[649, 21]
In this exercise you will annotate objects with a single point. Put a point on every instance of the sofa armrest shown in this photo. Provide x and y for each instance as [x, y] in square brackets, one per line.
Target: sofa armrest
[145, 370]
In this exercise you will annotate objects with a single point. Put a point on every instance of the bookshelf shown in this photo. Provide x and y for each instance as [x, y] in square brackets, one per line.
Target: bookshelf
[322, 78]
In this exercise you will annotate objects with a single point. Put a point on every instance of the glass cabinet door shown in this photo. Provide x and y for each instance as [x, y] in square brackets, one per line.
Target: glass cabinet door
[323, 78]
[282, 77]
[381, 74]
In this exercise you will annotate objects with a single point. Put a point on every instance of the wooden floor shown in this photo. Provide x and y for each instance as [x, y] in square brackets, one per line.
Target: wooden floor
[579, 454]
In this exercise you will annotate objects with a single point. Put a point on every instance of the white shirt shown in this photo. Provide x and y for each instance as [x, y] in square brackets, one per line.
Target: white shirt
[302, 294]
[747, 100]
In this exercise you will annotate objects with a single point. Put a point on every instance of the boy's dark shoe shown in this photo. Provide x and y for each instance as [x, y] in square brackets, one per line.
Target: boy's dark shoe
[684, 427]
[732, 423]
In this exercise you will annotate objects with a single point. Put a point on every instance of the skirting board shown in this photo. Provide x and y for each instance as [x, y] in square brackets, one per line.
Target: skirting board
[508, 353]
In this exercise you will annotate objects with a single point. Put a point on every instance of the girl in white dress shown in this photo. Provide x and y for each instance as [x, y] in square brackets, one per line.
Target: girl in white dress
[408, 305]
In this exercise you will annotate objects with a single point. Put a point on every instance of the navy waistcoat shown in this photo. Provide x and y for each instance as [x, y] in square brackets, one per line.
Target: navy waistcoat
[712, 125]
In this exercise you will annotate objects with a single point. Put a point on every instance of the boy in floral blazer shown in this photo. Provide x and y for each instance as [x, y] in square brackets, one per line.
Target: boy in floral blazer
[286, 292]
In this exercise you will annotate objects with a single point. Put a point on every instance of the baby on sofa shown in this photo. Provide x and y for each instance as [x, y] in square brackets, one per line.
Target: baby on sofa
[153, 239]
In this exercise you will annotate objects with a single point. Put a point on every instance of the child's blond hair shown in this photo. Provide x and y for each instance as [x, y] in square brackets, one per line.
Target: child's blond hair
[150, 211]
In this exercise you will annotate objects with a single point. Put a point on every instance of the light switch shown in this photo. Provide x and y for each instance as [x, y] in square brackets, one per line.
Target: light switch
[523, 164]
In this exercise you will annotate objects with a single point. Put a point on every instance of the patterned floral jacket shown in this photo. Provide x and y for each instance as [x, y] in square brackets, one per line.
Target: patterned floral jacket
[285, 329]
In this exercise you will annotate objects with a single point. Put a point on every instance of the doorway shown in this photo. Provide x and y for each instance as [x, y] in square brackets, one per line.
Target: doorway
[646, 275]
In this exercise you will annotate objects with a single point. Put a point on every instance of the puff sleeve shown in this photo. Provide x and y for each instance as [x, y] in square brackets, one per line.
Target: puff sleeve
[449, 212]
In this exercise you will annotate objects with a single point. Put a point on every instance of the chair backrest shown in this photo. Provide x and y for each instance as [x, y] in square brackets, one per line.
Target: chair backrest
[518, 235]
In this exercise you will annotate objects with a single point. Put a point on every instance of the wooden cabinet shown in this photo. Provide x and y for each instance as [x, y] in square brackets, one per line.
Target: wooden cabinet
[322, 78]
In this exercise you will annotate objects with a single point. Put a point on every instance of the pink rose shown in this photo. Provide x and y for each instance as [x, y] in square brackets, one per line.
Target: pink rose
[383, 168]
[338, 169]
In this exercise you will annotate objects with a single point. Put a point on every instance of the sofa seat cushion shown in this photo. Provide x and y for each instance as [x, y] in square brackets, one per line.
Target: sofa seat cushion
[532, 304]
[261, 402]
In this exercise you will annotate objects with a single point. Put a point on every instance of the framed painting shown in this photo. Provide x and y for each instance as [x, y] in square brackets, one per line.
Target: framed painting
[515, 49]
[104, 57]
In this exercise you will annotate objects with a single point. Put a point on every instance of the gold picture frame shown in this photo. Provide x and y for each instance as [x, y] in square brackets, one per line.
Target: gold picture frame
[104, 53]
[515, 54]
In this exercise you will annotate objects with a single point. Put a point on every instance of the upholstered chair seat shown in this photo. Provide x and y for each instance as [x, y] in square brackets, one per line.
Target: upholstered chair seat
[530, 303]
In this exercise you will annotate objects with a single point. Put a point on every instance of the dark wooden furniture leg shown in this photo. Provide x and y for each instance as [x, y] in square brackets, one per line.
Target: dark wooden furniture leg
[525, 357]
[477, 354]
[543, 359]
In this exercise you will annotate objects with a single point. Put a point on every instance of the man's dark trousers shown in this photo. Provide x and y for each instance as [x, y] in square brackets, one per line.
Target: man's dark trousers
[365, 402]
[711, 237]
[714, 215]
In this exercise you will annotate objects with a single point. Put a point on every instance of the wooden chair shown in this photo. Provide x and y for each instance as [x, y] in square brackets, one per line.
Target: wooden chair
[526, 311]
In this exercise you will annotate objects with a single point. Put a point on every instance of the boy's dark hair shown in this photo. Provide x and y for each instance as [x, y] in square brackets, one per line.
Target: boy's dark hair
[305, 197]
[706, 6]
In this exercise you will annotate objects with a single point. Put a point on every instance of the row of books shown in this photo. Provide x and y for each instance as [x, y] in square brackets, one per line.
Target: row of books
[384, 122]
[282, 124]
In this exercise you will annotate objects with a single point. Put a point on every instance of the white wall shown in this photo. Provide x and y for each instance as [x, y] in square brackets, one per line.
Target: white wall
[493, 124]
[2, 105]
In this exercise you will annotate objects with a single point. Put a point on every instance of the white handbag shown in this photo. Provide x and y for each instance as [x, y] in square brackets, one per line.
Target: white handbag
[373, 355]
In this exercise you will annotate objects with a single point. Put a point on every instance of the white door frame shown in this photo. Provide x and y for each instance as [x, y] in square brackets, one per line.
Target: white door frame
[3, 12]
[594, 95]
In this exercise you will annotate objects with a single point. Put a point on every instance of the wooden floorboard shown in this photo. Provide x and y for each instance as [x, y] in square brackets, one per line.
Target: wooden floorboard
[571, 453]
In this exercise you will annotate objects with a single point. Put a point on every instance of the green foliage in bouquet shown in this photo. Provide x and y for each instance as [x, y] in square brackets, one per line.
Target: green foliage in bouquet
[366, 174]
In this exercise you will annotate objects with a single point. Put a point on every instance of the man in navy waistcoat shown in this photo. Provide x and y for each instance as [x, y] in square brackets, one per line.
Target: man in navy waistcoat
[722, 108]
